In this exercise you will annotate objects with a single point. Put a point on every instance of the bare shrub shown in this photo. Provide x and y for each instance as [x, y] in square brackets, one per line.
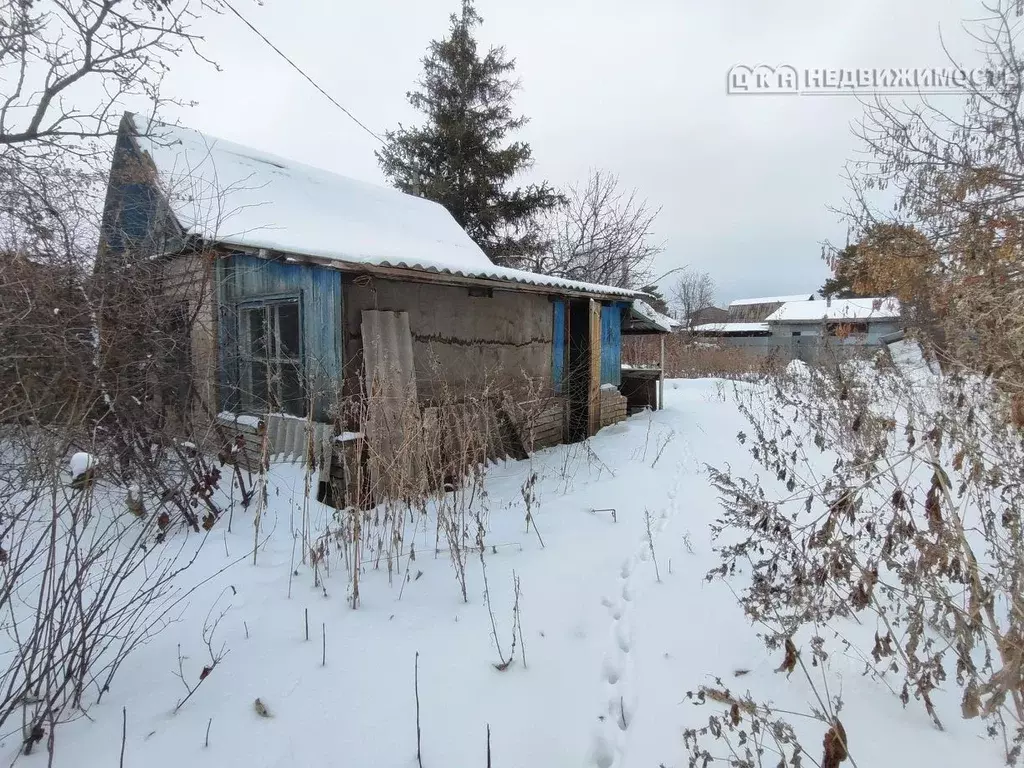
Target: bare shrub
[89, 365]
[894, 501]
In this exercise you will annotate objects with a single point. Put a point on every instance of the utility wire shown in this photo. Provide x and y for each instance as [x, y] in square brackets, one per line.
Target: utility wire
[298, 69]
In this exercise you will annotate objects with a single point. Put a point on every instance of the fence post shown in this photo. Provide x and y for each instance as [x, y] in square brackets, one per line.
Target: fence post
[661, 377]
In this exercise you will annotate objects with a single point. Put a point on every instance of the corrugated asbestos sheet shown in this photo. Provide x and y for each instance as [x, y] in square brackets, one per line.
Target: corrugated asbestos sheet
[299, 440]
[392, 423]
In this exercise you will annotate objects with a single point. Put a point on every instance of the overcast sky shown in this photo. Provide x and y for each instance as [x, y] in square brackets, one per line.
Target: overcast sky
[638, 88]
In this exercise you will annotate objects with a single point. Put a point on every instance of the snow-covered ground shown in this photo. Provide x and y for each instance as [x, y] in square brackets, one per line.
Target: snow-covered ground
[614, 636]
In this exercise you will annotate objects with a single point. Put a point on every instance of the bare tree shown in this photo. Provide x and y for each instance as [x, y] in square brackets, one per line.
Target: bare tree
[58, 56]
[69, 68]
[692, 291]
[951, 244]
[602, 234]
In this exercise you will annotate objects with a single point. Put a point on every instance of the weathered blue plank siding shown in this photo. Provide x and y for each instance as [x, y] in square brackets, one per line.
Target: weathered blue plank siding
[136, 217]
[558, 349]
[611, 344]
[243, 279]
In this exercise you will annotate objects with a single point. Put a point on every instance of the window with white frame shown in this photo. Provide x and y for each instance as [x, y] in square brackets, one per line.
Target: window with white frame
[270, 346]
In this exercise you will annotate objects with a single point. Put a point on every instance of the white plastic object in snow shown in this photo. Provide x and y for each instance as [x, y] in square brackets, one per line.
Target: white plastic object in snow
[81, 463]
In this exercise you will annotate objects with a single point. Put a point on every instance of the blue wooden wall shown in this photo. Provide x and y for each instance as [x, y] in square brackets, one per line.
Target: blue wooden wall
[137, 219]
[611, 344]
[558, 346]
[243, 279]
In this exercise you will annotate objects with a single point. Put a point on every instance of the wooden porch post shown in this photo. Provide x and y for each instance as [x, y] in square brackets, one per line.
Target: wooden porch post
[661, 377]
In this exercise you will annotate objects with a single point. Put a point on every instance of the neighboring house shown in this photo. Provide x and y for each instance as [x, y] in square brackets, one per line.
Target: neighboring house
[802, 327]
[737, 334]
[757, 310]
[743, 324]
[707, 316]
[811, 326]
[339, 314]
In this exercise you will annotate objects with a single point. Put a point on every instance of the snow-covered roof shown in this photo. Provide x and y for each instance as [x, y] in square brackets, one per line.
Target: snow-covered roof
[653, 317]
[771, 300]
[836, 310]
[725, 329]
[233, 194]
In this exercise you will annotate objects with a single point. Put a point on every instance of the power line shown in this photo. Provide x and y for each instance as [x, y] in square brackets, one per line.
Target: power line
[298, 69]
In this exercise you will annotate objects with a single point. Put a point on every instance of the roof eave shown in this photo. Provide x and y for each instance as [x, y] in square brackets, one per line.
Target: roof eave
[408, 274]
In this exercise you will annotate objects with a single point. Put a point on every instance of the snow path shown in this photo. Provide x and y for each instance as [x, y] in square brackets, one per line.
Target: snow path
[621, 705]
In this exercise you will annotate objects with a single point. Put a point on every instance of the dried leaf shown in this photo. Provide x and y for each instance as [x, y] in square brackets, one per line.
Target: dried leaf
[970, 707]
[933, 510]
[734, 714]
[958, 460]
[789, 662]
[899, 500]
[834, 745]
[1017, 410]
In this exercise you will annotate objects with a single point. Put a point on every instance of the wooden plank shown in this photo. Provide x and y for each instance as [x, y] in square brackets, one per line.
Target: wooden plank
[661, 376]
[594, 396]
[559, 347]
[548, 419]
[552, 427]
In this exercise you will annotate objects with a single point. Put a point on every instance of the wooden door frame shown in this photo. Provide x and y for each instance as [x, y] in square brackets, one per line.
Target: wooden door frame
[594, 399]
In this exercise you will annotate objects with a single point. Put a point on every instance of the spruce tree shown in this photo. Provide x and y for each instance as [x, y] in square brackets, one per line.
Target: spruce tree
[656, 299]
[840, 285]
[459, 157]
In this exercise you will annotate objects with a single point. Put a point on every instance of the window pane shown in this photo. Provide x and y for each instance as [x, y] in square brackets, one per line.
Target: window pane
[257, 394]
[293, 394]
[288, 328]
[256, 323]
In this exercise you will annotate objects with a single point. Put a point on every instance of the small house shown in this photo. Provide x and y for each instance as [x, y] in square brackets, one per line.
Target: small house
[811, 327]
[707, 316]
[757, 310]
[801, 327]
[744, 324]
[355, 322]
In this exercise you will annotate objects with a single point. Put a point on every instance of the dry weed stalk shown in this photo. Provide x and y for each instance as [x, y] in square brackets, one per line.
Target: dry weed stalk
[650, 543]
[216, 656]
[431, 458]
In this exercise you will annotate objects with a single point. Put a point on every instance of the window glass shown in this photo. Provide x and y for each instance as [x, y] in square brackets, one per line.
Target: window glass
[288, 330]
[271, 363]
[257, 332]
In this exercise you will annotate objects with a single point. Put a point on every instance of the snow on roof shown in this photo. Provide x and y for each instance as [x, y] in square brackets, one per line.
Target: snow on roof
[725, 329]
[653, 316]
[837, 309]
[230, 193]
[771, 300]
